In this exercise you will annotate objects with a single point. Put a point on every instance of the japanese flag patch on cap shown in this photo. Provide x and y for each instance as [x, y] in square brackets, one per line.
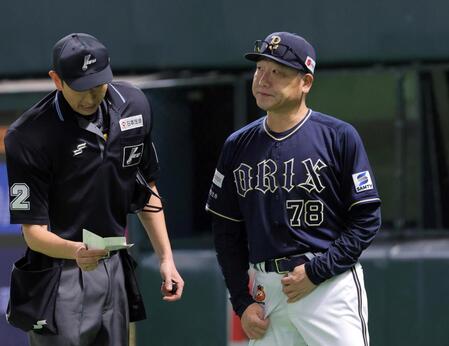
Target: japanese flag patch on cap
[362, 181]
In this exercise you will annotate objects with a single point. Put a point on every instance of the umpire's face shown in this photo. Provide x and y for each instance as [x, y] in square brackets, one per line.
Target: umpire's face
[83, 102]
[279, 89]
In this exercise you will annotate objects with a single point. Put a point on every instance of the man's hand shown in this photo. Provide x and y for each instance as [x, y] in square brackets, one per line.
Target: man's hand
[254, 322]
[172, 283]
[87, 260]
[296, 284]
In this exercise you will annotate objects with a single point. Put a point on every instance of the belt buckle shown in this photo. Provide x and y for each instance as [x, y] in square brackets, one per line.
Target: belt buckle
[106, 256]
[277, 265]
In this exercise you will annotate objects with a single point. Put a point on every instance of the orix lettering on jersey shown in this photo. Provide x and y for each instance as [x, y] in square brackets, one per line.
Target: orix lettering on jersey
[265, 179]
[262, 178]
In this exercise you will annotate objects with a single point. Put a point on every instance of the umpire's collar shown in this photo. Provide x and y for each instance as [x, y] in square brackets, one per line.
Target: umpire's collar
[113, 97]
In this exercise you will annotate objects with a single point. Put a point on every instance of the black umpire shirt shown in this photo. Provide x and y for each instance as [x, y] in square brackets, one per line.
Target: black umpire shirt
[63, 172]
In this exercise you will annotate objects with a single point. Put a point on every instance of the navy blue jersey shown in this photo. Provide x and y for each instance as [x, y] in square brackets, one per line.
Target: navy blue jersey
[64, 174]
[293, 190]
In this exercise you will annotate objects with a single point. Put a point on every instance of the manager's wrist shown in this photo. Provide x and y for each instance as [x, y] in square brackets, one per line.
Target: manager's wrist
[311, 274]
[240, 305]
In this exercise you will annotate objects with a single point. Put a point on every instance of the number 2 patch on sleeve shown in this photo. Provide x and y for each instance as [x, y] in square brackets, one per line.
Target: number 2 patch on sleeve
[20, 193]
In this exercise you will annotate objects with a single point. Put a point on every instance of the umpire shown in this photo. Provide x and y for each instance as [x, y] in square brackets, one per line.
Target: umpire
[83, 158]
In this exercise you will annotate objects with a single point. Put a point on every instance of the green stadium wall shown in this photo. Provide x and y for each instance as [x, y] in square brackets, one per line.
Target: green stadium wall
[174, 34]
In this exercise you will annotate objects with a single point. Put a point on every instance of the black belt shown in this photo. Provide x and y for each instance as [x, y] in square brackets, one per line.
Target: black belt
[111, 253]
[284, 265]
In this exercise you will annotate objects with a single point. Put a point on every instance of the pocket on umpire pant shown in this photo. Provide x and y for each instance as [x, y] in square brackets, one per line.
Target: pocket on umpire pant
[33, 291]
[135, 301]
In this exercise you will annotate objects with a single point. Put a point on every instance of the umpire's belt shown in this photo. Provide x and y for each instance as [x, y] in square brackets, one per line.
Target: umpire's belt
[284, 265]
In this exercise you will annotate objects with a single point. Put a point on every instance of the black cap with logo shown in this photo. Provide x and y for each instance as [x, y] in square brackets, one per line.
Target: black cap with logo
[287, 49]
[81, 61]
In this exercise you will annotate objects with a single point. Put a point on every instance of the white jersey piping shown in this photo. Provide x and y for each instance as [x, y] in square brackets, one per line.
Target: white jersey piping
[364, 201]
[297, 128]
[221, 215]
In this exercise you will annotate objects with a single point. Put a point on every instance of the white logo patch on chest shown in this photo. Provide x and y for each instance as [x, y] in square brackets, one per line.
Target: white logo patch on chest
[132, 122]
[79, 149]
[132, 155]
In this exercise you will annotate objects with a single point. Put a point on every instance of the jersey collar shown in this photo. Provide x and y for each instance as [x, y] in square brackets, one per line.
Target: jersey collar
[63, 108]
[58, 107]
[59, 100]
[287, 133]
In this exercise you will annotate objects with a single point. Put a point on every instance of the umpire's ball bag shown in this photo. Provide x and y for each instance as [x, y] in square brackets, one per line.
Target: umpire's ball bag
[34, 286]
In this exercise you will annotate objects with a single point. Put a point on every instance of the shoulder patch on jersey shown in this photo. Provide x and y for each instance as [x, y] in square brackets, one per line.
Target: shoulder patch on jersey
[132, 122]
[218, 178]
[132, 155]
[362, 181]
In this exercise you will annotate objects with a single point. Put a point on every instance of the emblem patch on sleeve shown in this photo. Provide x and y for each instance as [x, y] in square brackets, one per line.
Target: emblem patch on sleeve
[362, 181]
[218, 178]
[132, 155]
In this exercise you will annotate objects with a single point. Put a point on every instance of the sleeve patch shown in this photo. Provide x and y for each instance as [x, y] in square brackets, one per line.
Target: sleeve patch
[362, 181]
[218, 178]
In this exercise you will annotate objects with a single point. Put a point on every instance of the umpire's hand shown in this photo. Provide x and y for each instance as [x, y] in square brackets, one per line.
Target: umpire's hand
[87, 260]
[172, 284]
[254, 322]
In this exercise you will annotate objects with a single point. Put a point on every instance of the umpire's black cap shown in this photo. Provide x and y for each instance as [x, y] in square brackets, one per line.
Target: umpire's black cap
[287, 49]
[81, 61]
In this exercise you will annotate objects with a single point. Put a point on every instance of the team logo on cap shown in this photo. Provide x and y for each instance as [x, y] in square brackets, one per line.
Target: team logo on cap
[274, 43]
[88, 61]
[362, 181]
[310, 63]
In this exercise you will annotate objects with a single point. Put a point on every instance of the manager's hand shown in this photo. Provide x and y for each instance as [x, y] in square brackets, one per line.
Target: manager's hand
[297, 284]
[254, 323]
